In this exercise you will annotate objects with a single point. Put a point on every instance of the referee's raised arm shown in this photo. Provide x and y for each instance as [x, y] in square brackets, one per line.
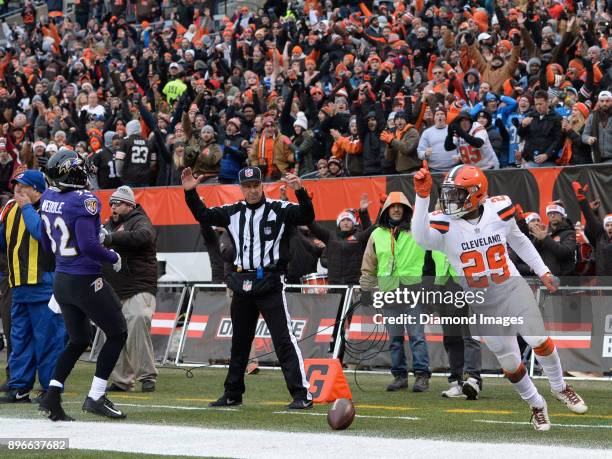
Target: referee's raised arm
[303, 213]
[215, 216]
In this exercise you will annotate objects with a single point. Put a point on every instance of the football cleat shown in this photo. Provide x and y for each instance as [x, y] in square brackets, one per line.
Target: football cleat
[300, 404]
[454, 391]
[102, 407]
[571, 399]
[16, 396]
[539, 418]
[471, 389]
[226, 400]
[51, 405]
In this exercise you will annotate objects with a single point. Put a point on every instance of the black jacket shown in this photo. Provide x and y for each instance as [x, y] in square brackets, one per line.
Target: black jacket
[344, 250]
[597, 236]
[134, 238]
[543, 135]
[558, 249]
[303, 255]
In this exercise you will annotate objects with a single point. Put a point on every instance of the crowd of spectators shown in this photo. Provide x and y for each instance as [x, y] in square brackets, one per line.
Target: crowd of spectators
[326, 89]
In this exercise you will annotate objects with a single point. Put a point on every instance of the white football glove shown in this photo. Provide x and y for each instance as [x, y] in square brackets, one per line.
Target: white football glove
[102, 235]
[117, 264]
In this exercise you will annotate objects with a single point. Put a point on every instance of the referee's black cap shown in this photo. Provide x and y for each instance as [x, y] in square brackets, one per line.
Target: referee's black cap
[249, 174]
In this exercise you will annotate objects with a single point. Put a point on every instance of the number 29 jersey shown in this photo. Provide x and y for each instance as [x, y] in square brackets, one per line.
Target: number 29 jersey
[59, 213]
[477, 250]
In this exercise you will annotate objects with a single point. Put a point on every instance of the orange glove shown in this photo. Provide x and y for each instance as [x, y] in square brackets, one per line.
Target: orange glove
[580, 190]
[386, 137]
[550, 282]
[519, 211]
[422, 181]
[387, 66]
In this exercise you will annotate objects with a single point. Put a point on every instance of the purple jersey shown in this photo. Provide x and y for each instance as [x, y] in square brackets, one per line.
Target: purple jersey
[72, 224]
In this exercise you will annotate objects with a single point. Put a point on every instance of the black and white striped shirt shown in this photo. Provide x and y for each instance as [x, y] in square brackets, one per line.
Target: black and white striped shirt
[256, 230]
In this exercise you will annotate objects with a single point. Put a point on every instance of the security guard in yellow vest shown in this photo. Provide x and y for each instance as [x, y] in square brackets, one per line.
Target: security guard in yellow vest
[464, 355]
[393, 260]
[37, 332]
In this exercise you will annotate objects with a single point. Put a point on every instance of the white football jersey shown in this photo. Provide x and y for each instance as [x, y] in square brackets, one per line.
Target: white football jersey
[483, 157]
[478, 251]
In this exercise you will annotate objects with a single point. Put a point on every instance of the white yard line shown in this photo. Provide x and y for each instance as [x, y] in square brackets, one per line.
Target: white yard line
[195, 441]
[306, 413]
[587, 426]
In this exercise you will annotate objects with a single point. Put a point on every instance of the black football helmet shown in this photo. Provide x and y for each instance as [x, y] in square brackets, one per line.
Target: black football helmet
[67, 170]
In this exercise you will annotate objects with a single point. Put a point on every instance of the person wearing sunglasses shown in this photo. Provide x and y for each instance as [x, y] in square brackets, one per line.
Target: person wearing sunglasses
[131, 234]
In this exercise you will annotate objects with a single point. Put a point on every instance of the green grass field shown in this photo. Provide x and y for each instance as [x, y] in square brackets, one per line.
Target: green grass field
[183, 401]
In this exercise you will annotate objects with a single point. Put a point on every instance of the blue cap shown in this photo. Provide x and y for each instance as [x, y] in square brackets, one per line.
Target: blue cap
[249, 174]
[35, 179]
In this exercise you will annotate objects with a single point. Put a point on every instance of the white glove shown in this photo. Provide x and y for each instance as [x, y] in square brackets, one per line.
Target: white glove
[117, 264]
[102, 235]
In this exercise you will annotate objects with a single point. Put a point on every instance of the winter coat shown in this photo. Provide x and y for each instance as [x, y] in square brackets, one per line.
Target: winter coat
[542, 135]
[344, 250]
[403, 150]
[134, 238]
[558, 249]
[598, 237]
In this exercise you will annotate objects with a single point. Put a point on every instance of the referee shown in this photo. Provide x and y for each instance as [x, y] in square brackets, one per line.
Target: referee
[257, 226]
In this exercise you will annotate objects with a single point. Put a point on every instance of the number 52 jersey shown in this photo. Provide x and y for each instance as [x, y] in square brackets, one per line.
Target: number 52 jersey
[59, 214]
[477, 250]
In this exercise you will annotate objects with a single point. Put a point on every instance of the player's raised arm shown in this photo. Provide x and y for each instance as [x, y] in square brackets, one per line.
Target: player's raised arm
[423, 233]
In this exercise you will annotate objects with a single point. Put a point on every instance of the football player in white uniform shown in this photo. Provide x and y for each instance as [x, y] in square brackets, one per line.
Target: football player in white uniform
[473, 230]
[472, 142]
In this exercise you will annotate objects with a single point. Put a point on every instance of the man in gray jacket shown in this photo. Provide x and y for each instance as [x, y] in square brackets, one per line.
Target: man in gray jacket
[598, 129]
[131, 234]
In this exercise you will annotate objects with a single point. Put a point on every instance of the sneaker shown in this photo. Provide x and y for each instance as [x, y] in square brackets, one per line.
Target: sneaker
[454, 391]
[471, 389]
[115, 388]
[16, 396]
[148, 385]
[102, 407]
[571, 399]
[539, 418]
[226, 400]
[421, 384]
[398, 383]
[300, 404]
[252, 368]
[51, 404]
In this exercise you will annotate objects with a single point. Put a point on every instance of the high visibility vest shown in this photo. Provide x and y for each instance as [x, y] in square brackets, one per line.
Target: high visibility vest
[400, 260]
[27, 261]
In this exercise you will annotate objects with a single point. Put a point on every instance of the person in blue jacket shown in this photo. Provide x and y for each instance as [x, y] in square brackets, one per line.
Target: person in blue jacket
[37, 331]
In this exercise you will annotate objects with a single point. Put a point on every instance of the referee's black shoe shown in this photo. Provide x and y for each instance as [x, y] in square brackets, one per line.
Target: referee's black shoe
[300, 404]
[102, 407]
[226, 400]
[51, 404]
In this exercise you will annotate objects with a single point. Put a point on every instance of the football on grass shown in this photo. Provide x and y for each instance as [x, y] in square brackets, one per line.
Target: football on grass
[341, 414]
